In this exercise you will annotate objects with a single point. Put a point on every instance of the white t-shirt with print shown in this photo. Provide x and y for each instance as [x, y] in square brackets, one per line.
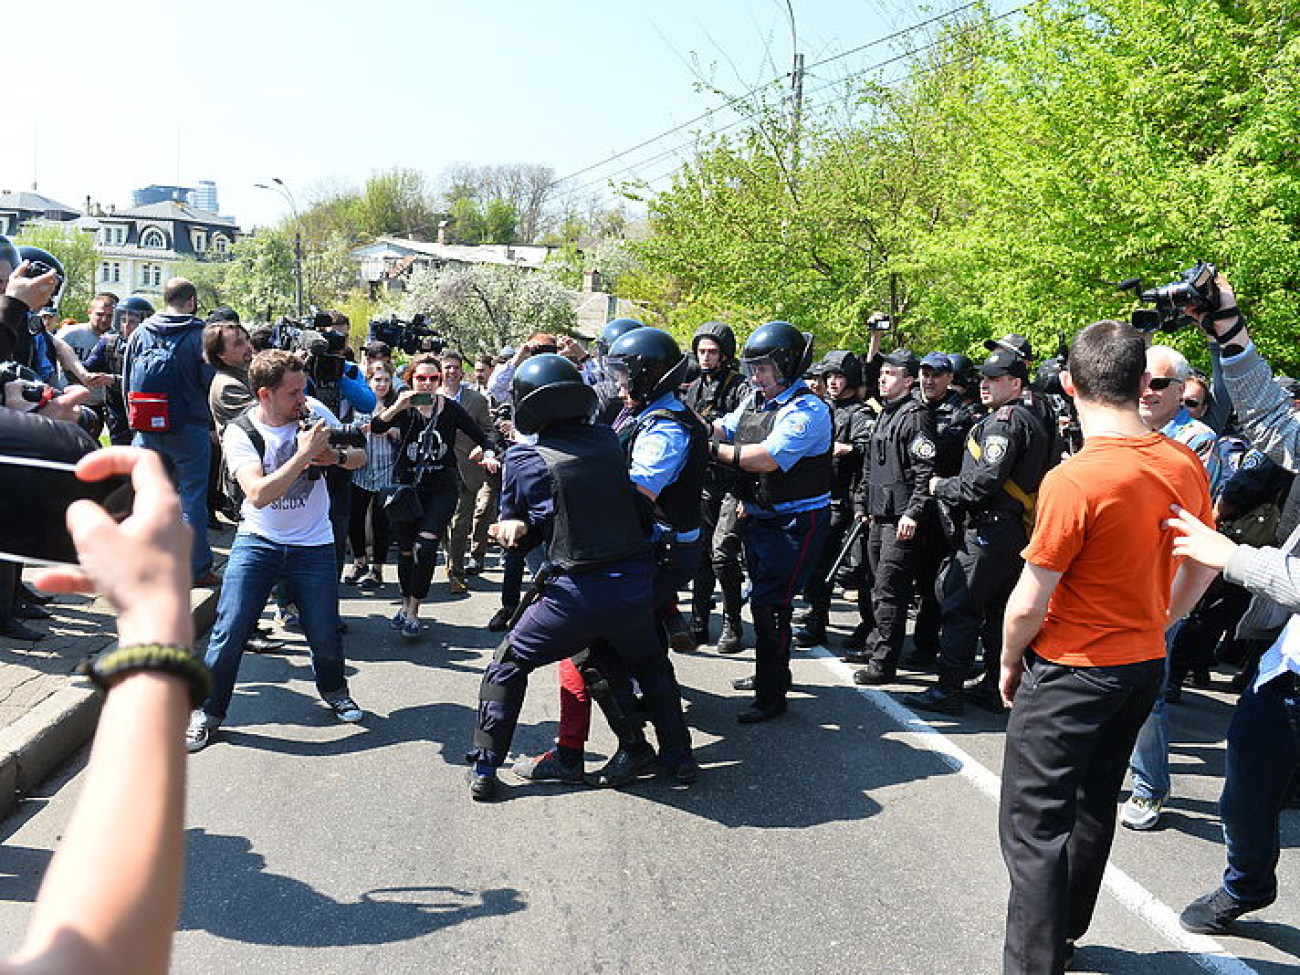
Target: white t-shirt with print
[301, 515]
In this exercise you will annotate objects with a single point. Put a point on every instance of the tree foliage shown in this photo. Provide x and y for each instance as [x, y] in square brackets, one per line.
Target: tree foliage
[484, 307]
[1019, 167]
[75, 250]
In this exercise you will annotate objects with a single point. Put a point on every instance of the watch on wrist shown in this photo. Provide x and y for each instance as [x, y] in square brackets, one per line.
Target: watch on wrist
[343, 456]
[165, 658]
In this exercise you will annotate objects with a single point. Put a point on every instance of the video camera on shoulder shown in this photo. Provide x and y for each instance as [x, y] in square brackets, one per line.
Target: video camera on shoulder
[1196, 288]
[412, 337]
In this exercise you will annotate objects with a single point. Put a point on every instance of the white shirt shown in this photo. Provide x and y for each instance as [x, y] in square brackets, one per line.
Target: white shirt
[301, 515]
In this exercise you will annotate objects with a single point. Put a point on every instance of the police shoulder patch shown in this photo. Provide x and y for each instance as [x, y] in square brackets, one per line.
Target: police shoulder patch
[798, 424]
[1006, 412]
[995, 448]
[923, 447]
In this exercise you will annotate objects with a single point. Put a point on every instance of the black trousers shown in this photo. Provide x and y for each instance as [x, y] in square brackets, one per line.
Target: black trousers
[721, 563]
[936, 550]
[894, 563]
[976, 588]
[1068, 742]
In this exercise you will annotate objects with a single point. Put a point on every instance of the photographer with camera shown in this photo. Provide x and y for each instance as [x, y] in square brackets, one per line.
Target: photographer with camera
[284, 535]
[1264, 736]
[428, 423]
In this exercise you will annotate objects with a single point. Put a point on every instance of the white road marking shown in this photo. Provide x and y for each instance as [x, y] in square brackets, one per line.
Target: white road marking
[1204, 950]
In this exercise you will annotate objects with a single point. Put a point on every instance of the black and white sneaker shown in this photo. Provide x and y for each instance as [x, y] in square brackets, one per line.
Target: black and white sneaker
[198, 735]
[345, 709]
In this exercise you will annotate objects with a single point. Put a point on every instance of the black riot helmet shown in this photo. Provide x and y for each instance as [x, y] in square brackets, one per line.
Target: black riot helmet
[131, 311]
[963, 369]
[721, 333]
[846, 364]
[43, 261]
[547, 388]
[9, 254]
[613, 331]
[782, 345]
[647, 363]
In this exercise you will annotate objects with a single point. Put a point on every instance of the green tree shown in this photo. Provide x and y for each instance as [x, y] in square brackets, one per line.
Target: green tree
[499, 223]
[485, 306]
[75, 250]
[259, 280]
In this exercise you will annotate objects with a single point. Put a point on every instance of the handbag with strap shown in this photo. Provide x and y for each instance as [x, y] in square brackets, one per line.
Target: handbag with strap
[401, 503]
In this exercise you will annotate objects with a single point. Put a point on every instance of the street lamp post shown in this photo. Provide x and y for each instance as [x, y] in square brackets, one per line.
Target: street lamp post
[285, 192]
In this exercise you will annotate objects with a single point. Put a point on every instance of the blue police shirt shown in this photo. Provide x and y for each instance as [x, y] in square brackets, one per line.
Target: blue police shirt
[803, 428]
[660, 452]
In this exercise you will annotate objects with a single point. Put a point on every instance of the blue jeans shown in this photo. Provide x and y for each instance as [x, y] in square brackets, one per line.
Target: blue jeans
[255, 566]
[190, 450]
[1263, 756]
[1149, 763]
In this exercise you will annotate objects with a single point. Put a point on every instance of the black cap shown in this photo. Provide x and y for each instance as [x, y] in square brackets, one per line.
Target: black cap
[1004, 362]
[1016, 344]
[904, 358]
[937, 361]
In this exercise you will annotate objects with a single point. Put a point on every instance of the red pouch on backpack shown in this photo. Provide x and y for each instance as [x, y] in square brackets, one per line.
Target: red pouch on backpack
[148, 412]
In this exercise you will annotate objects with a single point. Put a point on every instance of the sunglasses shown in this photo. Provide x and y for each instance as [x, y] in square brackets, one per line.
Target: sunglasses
[1191, 404]
[1160, 383]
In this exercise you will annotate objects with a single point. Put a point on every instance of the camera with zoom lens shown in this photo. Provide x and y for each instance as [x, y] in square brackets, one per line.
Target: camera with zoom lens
[1195, 288]
[32, 389]
[348, 435]
[412, 337]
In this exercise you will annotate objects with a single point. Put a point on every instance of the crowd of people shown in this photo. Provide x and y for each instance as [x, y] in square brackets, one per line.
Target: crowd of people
[1048, 540]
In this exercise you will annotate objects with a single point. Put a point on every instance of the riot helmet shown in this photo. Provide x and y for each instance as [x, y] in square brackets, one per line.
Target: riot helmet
[721, 333]
[846, 364]
[612, 332]
[780, 345]
[42, 262]
[963, 369]
[647, 363]
[130, 312]
[8, 257]
[547, 388]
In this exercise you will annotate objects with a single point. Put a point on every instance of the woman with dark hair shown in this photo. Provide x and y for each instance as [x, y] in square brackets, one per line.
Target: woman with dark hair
[427, 423]
[367, 483]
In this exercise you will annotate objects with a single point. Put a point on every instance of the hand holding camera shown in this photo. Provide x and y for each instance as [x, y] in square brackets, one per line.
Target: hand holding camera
[313, 439]
[33, 284]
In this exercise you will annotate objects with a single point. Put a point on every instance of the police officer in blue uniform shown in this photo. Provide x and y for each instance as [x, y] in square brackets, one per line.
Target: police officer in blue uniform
[780, 440]
[600, 587]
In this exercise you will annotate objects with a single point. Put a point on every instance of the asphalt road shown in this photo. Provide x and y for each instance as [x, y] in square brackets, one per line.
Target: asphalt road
[845, 837]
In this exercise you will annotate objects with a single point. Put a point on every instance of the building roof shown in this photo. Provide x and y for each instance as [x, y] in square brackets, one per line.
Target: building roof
[172, 210]
[513, 255]
[34, 203]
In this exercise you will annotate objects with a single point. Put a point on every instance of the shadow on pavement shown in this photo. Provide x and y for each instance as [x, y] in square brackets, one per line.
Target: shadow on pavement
[254, 906]
[1116, 961]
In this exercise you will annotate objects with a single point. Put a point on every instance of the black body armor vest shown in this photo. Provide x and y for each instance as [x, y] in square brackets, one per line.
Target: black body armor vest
[597, 520]
[678, 505]
[808, 478]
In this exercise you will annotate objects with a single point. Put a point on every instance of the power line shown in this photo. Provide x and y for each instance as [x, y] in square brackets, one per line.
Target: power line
[731, 102]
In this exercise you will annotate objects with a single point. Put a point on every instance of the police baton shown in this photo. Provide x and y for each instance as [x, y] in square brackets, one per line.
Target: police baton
[854, 533]
[541, 580]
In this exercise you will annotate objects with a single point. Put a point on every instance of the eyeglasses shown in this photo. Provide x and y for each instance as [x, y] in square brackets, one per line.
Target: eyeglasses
[1191, 404]
[1161, 383]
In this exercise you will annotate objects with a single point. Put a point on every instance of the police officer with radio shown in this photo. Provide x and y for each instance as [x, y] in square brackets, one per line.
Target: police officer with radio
[719, 389]
[599, 585]
[780, 441]
[899, 462]
[1005, 459]
[853, 423]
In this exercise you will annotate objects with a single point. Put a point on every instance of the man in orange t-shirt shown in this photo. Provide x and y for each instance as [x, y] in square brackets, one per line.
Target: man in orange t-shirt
[1083, 644]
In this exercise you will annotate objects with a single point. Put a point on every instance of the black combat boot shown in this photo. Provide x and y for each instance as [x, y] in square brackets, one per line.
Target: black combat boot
[813, 631]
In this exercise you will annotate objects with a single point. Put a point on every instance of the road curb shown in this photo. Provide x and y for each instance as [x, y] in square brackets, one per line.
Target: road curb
[55, 729]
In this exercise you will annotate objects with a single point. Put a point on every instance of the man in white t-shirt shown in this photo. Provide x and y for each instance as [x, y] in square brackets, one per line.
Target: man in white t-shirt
[284, 534]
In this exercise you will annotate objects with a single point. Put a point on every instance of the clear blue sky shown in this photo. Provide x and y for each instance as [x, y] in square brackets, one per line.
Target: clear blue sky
[328, 92]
